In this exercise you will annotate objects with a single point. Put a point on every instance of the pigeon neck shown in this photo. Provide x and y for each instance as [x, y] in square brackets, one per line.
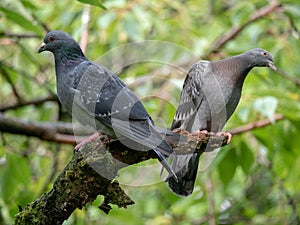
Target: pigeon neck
[70, 53]
[66, 57]
[239, 67]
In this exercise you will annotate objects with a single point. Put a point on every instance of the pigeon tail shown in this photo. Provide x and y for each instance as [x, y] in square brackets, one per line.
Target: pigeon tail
[162, 159]
[185, 167]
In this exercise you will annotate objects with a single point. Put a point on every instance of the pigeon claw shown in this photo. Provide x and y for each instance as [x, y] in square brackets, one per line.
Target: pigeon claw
[225, 134]
[78, 146]
[229, 135]
[87, 140]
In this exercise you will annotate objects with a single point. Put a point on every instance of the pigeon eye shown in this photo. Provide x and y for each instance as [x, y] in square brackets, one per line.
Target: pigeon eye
[264, 54]
[51, 38]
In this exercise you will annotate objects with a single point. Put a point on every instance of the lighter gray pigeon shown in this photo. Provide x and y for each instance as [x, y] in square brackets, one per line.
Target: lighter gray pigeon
[210, 94]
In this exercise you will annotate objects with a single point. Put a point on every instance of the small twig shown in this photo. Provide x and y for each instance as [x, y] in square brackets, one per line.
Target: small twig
[36, 102]
[28, 76]
[256, 124]
[85, 25]
[210, 202]
[285, 75]
[164, 94]
[282, 202]
[18, 36]
[291, 201]
[260, 13]
[44, 25]
[53, 170]
[14, 89]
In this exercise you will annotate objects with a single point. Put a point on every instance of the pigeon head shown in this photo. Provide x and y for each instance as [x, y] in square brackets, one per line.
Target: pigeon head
[57, 41]
[260, 58]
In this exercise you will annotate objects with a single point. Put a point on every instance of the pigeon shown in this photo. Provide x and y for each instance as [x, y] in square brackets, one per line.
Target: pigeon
[98, 99]
[210, 94]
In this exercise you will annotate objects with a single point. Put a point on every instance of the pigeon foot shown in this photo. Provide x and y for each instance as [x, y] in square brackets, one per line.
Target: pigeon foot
[202, 132]
[87, 140]
[229, 135]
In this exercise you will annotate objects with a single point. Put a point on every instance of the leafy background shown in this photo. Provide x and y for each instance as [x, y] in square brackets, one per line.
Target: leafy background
[254, 180]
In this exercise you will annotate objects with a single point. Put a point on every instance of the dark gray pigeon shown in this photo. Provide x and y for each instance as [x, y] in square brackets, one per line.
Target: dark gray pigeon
[210, 94]
[99, 99]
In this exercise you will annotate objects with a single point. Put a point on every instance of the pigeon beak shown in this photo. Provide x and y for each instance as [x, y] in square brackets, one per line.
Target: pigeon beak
[42, 48]
[272, 66]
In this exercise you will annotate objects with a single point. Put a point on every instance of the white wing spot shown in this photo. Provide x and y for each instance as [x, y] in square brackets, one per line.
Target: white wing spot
[88, 100]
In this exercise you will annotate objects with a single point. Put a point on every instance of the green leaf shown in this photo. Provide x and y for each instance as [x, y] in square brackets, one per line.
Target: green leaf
[243, 114]
[93, 2]
[245, 158]
[266, 106]
[12, 176]
[292, 9]
[241, 12]
[132, 27]
[29, 5]
[20, 20]
[106, 19]
[227, 167]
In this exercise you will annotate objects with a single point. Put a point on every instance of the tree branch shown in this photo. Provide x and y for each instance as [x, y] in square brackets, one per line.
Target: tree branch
[90, 173]
[255, 125]
[36, 102]
[57, 132]
[19, 36]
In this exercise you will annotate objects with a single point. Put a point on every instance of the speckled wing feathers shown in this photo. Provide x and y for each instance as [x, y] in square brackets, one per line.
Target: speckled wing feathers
[191, 96]
[105, 98]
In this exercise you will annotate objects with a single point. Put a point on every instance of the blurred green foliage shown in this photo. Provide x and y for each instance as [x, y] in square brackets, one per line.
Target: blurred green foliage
[254, 180]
